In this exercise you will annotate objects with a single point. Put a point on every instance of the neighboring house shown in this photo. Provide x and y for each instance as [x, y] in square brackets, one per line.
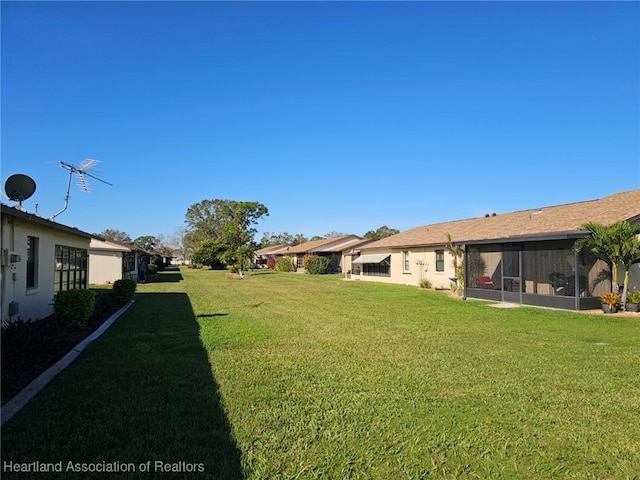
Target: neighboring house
[274, 251]
[39, 258]
[349, 256]
[111, 261]
[522, 257]
[327, 247]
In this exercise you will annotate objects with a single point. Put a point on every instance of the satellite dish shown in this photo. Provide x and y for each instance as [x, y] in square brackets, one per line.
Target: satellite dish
[19, 187]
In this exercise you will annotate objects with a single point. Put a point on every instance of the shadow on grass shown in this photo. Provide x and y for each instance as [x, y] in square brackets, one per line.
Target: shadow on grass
[143, 392]
[166, 276]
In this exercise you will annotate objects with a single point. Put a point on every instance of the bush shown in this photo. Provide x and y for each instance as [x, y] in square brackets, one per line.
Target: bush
[271, 263]
[285, 264]
[22, 341]
[633, 297]
[152, 268]
[124, 290]
[74, 307]
[426, 283]
[317, 265]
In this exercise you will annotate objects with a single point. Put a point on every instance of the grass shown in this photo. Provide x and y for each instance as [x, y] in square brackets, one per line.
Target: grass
[297, 376]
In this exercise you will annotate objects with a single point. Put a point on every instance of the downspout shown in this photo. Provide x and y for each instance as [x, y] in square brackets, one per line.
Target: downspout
[5, 265]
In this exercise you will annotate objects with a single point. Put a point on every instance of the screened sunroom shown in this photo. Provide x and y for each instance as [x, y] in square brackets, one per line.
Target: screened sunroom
[545, 272]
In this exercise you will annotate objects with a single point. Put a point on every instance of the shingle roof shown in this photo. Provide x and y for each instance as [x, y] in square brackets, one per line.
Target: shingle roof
[558, 219]
[108, 245]
[322, 245]
[272, 249]
[30, 217]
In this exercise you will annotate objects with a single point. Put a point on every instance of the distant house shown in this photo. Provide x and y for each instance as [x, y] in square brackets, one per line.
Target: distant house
[273, 251]
[350, 256]
[523, 257]
[39, 258]
[327, 247]
[111, 261]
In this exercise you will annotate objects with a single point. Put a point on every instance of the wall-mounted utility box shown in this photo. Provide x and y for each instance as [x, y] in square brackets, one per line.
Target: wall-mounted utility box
[9, 257]
[14, 308]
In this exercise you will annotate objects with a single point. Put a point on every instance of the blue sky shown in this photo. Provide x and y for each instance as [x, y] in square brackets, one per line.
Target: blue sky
[338, 116]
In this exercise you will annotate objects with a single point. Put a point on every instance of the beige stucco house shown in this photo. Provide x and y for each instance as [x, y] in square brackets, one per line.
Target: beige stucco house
[39, 258]
[261, 255]
[332, 248]
[522, 257]
[111, 261]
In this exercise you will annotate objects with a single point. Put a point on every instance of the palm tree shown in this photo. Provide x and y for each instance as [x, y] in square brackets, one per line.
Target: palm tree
[618, 243]
[457, 251]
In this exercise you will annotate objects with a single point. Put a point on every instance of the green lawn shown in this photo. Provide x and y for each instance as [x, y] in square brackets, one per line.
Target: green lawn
[297, 376]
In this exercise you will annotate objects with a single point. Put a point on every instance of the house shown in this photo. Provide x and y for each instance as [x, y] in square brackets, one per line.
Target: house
[273, 251]
[327, 247]
[39, 258]
[111, 260]
[524, 257]
[351, 254]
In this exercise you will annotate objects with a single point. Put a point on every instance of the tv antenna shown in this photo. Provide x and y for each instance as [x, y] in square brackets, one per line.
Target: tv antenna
[18, 188]
[82, 173]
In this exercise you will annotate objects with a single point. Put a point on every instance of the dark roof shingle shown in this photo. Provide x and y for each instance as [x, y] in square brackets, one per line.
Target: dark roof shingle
[551, 220]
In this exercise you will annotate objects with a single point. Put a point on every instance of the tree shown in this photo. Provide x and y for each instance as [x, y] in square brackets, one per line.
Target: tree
[457, 251]
[115, 235]
[146, 242]
[298, 239]
[333, 234]
[284, 238]
[270, 239]
[617, 243]
[208, 253]
[163, 246]
[381, 233]
[178, 244]
[229, 224]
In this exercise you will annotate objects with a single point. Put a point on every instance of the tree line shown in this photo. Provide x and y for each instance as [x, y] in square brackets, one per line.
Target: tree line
[220, 233]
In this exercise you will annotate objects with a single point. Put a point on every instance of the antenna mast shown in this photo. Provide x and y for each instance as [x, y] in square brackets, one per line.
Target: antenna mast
[81, 172]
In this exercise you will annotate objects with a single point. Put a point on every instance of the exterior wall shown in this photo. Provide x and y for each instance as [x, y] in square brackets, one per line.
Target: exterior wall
[34, 303]
[106, 267]
[422, 265]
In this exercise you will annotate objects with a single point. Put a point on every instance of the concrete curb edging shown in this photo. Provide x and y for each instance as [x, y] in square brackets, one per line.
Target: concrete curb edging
[25, 395]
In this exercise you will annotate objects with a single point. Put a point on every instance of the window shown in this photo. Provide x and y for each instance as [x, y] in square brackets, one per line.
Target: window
[70, 268]
[32, 262]
[382, 269]
[128, 264]
[439, 260]
[407, 260]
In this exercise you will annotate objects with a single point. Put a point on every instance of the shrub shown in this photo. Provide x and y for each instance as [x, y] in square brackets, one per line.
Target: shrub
[285, 264]
[426, 283]
[22, 341]
[306, 259]
[152, 268]
[611, 298]
[271, 263]
[633, 297]
[317, 265]
[74, 307]
[124, 290]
